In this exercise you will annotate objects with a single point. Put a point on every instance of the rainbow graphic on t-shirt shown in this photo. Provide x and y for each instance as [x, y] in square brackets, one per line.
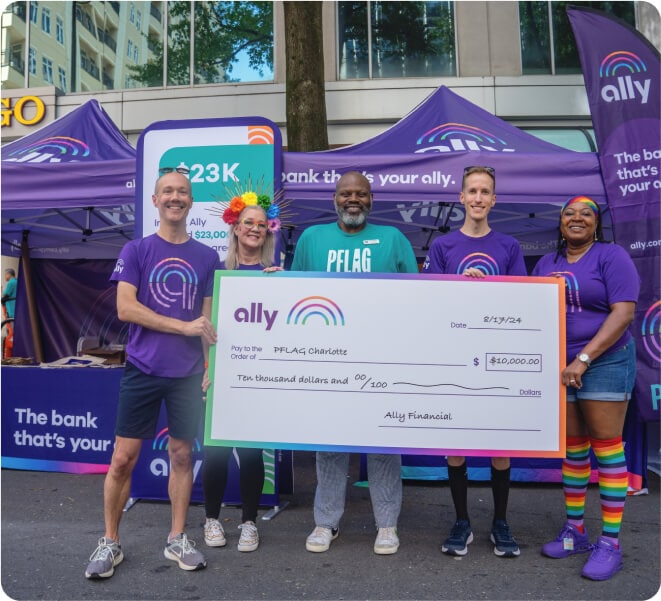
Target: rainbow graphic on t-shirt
[485, 263]
[651, 331]
[316, 307]
[572, 289]
[172, 281]
[621, 59]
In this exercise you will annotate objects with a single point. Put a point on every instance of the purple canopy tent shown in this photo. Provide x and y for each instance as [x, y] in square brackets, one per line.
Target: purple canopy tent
[68, 188]
[416, 168]
[67, 193]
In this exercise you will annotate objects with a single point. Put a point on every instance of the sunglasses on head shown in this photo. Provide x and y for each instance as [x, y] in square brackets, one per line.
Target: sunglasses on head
[490, 170]
[182, 170]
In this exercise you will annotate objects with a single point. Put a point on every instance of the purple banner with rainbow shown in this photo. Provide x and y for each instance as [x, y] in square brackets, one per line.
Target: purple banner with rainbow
[622, 76]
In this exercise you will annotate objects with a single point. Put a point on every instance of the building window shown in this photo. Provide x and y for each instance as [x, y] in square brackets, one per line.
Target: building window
[16, 58]
[132, 12]
[396, 39]
[32, 61]
[47, 69]
[62, 77]
[136, 54]
[59, 30]
[138, 19]
[34, 10]
[129, 49]
[45, 19]
[547, 39]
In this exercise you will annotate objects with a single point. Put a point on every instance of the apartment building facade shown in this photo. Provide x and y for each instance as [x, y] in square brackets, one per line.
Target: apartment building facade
[151, 61]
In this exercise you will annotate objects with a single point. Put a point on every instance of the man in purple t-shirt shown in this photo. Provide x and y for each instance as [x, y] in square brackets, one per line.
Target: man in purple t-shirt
[476, 250]
[164, 291]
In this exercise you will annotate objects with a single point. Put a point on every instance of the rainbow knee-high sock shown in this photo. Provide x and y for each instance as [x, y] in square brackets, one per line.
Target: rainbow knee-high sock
[613, 483]
[575, 478]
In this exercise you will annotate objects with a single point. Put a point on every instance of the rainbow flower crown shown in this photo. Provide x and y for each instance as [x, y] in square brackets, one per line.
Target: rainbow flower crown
[276, 208]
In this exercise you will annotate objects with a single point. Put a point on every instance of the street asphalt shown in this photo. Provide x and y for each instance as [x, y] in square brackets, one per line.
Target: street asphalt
[51, 523]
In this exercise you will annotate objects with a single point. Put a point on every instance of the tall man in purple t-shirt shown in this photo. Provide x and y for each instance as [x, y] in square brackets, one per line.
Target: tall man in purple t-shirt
[164, 291]
[476, 250]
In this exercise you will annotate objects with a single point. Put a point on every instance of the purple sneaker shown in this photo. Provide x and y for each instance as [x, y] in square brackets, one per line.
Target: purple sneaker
[569, 542]
[605, 560]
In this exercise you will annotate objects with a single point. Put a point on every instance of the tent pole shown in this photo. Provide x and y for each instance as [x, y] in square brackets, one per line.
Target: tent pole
[29, 289]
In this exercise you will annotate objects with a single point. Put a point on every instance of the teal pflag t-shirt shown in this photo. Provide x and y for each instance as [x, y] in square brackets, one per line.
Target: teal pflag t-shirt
[375, 249]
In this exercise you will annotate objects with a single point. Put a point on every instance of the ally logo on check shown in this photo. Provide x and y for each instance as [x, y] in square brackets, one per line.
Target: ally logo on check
[319, 309]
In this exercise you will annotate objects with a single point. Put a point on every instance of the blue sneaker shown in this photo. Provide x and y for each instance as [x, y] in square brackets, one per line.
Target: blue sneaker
[504, 543]
[569, 542]
[605, 560]
[460, 537]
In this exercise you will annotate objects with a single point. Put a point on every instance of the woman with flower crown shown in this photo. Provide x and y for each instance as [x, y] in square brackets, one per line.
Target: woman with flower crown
[253, 223]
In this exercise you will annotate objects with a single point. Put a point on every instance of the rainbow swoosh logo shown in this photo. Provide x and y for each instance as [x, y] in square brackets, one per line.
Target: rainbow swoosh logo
[162, 440]
[461, 131]
[485, 263]
[651, 331]
[317, 308]
[621, 60]
[572, 290]
[174, 281]
[57, 145]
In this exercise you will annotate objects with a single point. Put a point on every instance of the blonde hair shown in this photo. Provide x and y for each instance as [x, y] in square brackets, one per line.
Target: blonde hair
[267, 258]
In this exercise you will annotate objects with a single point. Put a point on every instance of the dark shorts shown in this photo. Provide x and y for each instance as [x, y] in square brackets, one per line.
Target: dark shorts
[140, 397]
[609, 378]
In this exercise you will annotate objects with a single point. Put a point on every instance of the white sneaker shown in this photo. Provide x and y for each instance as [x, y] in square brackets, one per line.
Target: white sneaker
[320, 539]
[249, 539]
[214, 535]
[387, 541]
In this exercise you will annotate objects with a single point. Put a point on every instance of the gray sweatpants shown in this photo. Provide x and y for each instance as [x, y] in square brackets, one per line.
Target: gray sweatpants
[385, 484]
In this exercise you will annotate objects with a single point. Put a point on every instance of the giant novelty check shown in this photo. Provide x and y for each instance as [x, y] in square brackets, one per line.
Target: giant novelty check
[389, 363]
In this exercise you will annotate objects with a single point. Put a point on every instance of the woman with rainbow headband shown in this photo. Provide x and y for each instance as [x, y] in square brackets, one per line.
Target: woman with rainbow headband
[602, 287]
[253, 222]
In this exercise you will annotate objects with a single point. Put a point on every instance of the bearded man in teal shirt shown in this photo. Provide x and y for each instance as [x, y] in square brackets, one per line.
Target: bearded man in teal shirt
[352, 245]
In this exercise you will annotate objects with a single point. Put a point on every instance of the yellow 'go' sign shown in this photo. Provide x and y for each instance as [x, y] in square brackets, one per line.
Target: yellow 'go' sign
[19, 107]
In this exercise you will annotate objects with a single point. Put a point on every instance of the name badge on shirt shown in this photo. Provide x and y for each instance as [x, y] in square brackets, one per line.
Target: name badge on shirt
[377, 241]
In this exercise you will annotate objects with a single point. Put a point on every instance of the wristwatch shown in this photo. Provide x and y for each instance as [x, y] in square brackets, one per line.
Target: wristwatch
[584, 358]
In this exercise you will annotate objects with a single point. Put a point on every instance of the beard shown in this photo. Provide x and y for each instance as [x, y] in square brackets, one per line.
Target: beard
[353, 221]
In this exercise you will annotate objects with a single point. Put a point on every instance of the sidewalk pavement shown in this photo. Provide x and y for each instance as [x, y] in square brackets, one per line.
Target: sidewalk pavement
[50, 523]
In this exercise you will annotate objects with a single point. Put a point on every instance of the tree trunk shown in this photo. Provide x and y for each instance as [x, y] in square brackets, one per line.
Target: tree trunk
[305, 89]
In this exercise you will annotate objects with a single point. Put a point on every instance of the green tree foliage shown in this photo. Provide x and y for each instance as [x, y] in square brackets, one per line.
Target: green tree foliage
[223, 31]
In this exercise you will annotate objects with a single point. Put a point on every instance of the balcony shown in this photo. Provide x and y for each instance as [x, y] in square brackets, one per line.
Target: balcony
[155, 12]
[15, 60]
[89, 67]
[85, 20]
[18, 9]
[107, 81]
[108, 40]
[114, 6]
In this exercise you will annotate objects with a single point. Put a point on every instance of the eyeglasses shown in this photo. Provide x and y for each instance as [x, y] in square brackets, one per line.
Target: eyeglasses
[182, 170]
[262, 226]
[490, 170]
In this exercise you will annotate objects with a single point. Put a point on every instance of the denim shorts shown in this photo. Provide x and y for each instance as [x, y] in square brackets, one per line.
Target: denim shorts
[609, 378]
[139, 405]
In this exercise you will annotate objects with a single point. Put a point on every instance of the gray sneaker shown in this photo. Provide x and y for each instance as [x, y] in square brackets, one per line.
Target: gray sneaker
[183, 551]
[104, 559]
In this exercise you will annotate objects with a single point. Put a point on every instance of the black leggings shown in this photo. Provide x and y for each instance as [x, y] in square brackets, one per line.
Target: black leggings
[214, 480]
